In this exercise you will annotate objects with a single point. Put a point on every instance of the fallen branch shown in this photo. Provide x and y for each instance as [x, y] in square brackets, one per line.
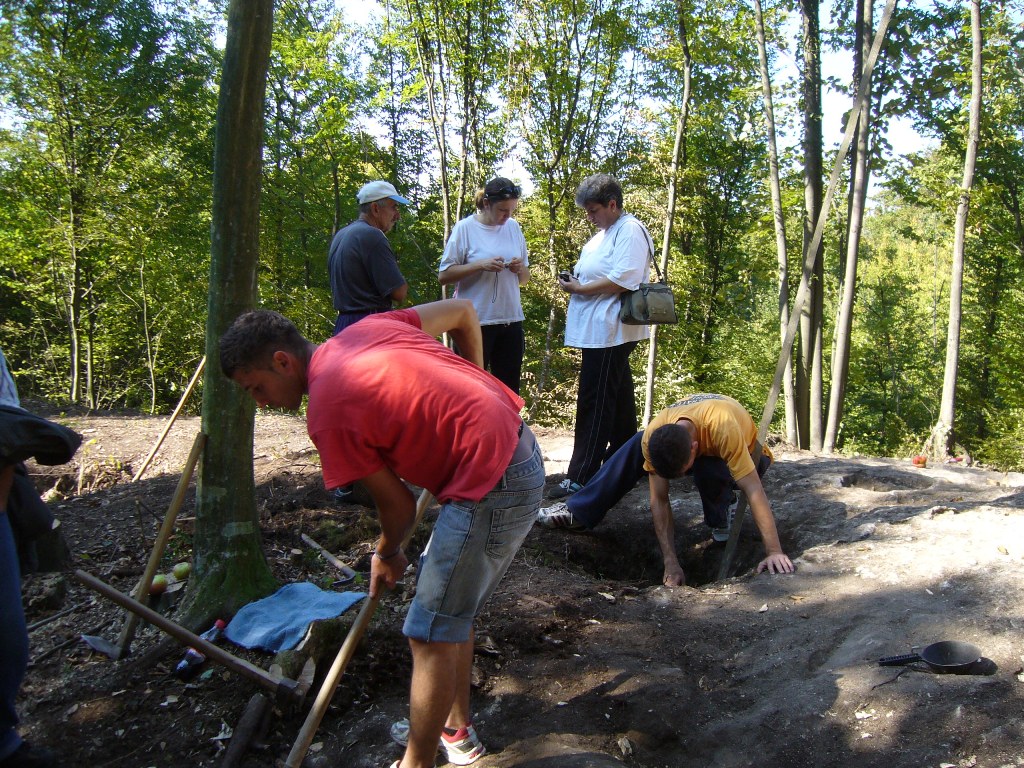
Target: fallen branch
[349, 573]
[43, 622]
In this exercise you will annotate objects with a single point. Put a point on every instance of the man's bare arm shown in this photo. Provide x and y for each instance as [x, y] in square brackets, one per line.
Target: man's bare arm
[458, 318]
[398, 295]
[664, 529]
[396, 511]
[776, 560]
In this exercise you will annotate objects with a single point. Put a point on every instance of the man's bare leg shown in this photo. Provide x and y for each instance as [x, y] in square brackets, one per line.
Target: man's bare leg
[459, 714]
[432, 696]
[441, 674]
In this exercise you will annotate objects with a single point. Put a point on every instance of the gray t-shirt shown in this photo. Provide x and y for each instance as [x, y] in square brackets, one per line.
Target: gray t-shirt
[363, 269]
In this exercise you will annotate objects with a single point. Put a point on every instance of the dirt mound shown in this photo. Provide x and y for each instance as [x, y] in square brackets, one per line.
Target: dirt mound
[585, 659]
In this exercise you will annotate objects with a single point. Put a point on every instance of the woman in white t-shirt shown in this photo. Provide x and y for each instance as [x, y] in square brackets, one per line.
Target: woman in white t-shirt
[486, 261]
[614, 260]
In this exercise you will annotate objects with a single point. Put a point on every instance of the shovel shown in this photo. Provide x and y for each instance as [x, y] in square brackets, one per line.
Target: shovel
[122, 647]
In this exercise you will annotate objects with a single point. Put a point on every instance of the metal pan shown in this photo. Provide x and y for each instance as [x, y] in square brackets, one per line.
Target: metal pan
[949, 656]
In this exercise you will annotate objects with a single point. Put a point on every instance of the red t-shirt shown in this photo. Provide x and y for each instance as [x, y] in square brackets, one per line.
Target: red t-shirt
[382, 393]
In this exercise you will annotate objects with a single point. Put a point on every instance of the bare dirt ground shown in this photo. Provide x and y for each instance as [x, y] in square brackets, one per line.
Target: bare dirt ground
[585, 658]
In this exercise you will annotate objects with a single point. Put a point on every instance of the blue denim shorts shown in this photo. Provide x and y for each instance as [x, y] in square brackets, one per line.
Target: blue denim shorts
[470, 549]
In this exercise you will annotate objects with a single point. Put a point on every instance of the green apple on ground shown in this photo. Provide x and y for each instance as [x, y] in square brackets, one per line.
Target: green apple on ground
[182, 570]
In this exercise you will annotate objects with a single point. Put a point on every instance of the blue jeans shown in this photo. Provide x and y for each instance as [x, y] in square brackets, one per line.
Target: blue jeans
[619, 474]
[470, 549]
[13, 639]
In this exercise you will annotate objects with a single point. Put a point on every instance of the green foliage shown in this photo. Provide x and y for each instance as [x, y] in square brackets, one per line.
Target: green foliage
[110, 108]
[105, 190]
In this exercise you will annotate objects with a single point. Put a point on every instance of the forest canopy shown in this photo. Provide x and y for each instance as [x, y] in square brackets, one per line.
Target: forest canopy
[106, 149]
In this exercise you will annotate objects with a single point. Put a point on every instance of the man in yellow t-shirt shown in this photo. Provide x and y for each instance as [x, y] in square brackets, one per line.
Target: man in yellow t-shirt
[709, 436]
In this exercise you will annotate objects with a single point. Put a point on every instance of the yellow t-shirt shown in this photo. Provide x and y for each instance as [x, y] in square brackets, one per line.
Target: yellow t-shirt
[724, 429]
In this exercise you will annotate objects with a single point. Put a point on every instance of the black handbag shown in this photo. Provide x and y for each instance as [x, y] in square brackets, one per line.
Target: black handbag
[651, 303]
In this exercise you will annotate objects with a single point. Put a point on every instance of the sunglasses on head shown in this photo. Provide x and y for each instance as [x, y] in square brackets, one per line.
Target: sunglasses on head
[505, 193]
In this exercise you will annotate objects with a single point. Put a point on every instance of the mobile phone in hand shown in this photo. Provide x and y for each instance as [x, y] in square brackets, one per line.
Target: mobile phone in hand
[563, 275]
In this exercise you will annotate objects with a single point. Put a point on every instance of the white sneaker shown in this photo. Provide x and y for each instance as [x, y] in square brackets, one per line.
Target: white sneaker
[558, 516]
[464, 750]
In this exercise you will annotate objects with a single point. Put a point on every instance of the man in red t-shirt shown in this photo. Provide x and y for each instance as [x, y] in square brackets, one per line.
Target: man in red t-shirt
[386, 402]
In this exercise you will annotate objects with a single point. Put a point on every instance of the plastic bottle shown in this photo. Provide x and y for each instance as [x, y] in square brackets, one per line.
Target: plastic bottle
[190, 663]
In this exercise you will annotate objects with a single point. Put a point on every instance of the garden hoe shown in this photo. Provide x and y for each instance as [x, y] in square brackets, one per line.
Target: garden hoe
[284, 689]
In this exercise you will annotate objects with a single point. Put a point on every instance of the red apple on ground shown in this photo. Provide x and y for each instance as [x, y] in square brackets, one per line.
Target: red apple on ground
[920, 461]
[159, 585]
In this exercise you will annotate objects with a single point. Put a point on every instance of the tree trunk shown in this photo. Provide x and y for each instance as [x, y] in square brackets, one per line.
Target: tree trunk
[808, 378]
[227, 547]
[855, 221]
[549, 334]
[942, 432]
[437, 88]
[805, 276]
[780, 224]
[678, 161]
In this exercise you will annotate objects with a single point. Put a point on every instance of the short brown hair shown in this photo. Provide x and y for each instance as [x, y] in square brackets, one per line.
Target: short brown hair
[253, 338]
[669, 450]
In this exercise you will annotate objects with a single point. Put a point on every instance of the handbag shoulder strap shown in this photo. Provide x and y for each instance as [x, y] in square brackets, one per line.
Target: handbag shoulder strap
[650, 255]
[650, 248]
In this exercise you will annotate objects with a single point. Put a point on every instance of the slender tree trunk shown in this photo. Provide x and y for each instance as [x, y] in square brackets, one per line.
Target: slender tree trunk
[436, 85]
[468, 117]
[147, 333]
[808, 378]
[229, 560]
[75, 301]
[779, 217]
[549, 335]
[805, 276]
[855, 220]
[942, 432]
[90, 345]
[678, 162]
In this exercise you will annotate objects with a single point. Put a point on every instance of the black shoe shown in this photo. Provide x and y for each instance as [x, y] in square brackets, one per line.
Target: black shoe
[27, 756]
[565, 488]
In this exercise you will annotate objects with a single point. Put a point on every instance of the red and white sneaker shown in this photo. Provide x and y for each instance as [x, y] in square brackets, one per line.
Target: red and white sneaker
[461, 748]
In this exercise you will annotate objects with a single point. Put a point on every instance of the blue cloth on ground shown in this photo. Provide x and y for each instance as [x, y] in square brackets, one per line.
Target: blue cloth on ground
[280, 621]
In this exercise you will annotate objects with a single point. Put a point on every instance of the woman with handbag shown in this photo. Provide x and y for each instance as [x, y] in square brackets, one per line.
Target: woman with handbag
[614, 260]
[486, 260]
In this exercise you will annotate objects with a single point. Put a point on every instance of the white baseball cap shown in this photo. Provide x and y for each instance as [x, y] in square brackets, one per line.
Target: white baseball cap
[378, 190]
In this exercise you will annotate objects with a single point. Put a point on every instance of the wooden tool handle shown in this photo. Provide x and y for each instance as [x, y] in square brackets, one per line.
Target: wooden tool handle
[208, 649]
[319, 708]
[128, 630]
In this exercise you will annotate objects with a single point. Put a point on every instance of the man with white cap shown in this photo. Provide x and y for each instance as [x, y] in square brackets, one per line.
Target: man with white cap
[365, 278]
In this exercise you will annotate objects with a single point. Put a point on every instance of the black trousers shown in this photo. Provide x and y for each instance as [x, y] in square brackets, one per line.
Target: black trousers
[504, 345]
[717, 488]
[605, 409]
